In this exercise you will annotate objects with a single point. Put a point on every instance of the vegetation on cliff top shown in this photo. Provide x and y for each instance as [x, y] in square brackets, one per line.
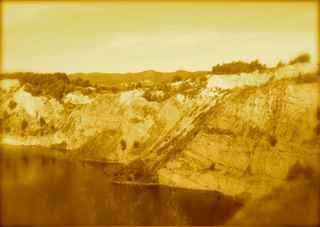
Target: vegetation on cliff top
[237, 67]
[55, 85]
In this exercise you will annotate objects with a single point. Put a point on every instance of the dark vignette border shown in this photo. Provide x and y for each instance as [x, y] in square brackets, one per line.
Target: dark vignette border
[132, 1]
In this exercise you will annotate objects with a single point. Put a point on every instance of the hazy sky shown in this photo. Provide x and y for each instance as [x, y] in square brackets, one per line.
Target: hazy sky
[123, 36]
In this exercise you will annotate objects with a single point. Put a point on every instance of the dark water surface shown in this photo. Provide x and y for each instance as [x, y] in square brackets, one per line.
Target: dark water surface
[37, 189]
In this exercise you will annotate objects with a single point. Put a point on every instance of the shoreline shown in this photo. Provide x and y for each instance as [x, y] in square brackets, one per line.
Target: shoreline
[37, 150]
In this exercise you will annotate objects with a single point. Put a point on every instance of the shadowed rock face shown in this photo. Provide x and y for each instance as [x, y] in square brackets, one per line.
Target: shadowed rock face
[243, 142]
[293, 203]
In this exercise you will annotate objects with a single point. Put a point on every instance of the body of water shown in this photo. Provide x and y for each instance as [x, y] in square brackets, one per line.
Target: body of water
[39, 189]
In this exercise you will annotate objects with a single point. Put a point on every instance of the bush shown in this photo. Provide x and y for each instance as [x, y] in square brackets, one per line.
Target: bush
[24, 125]
[273, 141]
[115, 89]
[280, 64]
[12, 104]
[176, 78]
[307, 78]
[42, 122]
[147, 95]
[123, 144]
[5, 114]
[53, 85]
[136, 144]
[237, 67]
[81, 82]
[59, 146]
[303, 58]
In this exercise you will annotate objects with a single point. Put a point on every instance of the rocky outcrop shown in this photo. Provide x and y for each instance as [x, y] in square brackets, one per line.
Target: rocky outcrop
[28, 119]
[254, 137]
[249, 142]
[293, 203]
[240, 135]
[241, 141]
[127, 126]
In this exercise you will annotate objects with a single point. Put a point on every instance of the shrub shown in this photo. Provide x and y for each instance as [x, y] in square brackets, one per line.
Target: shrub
[237, 67]
[81, 82]
[12, 104]
[24, 125]
[138, 85]
[280, 64]
[7, 129]
[5, 115]
[273, 140]
[59, 146]
[303, 58]
[307, 78]
[42, 122]
[123, 144]
[176, 78]
[317, 128]
[54, 85]
[147, 95]
[114, 89]
[136, 144]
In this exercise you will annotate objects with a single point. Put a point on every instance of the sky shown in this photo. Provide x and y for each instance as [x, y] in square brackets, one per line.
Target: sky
[136, 36]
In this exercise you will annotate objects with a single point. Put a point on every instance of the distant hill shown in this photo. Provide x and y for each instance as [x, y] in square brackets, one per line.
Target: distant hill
[113, 79]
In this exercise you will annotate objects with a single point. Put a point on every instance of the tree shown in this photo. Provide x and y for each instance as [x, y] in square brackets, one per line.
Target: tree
[136, 144]
[176, 78]
[123, 144]
[24, 125]
[236, 67]
[302, 58]
[280, 64]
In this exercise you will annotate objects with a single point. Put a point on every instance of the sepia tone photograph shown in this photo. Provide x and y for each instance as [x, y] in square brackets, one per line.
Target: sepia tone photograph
[150, 113]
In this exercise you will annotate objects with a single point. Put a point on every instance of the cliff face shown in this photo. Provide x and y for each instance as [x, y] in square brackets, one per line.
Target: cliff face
[250, 140]
[238, 135]
[27, 119]
[113, 129]
[108, 126]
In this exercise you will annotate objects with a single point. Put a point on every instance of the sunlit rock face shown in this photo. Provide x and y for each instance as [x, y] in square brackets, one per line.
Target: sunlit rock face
[28, 119]
[233, 81]
[130, 96]
[127, 121]
[77, 98]
[8, 85]
[292, 71]
[32, 105]
[257, 79]
[250, 140]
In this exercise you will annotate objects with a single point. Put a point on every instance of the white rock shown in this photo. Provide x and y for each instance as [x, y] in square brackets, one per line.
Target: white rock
[207, 92]
[232, 81]
[31, 104]
[128, 96]
[180, 98]
[177, 84]
[76, 98]
[8, 84]
[291, 71]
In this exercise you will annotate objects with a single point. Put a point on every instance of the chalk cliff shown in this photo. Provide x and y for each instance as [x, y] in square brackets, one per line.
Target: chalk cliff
[239, 134]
